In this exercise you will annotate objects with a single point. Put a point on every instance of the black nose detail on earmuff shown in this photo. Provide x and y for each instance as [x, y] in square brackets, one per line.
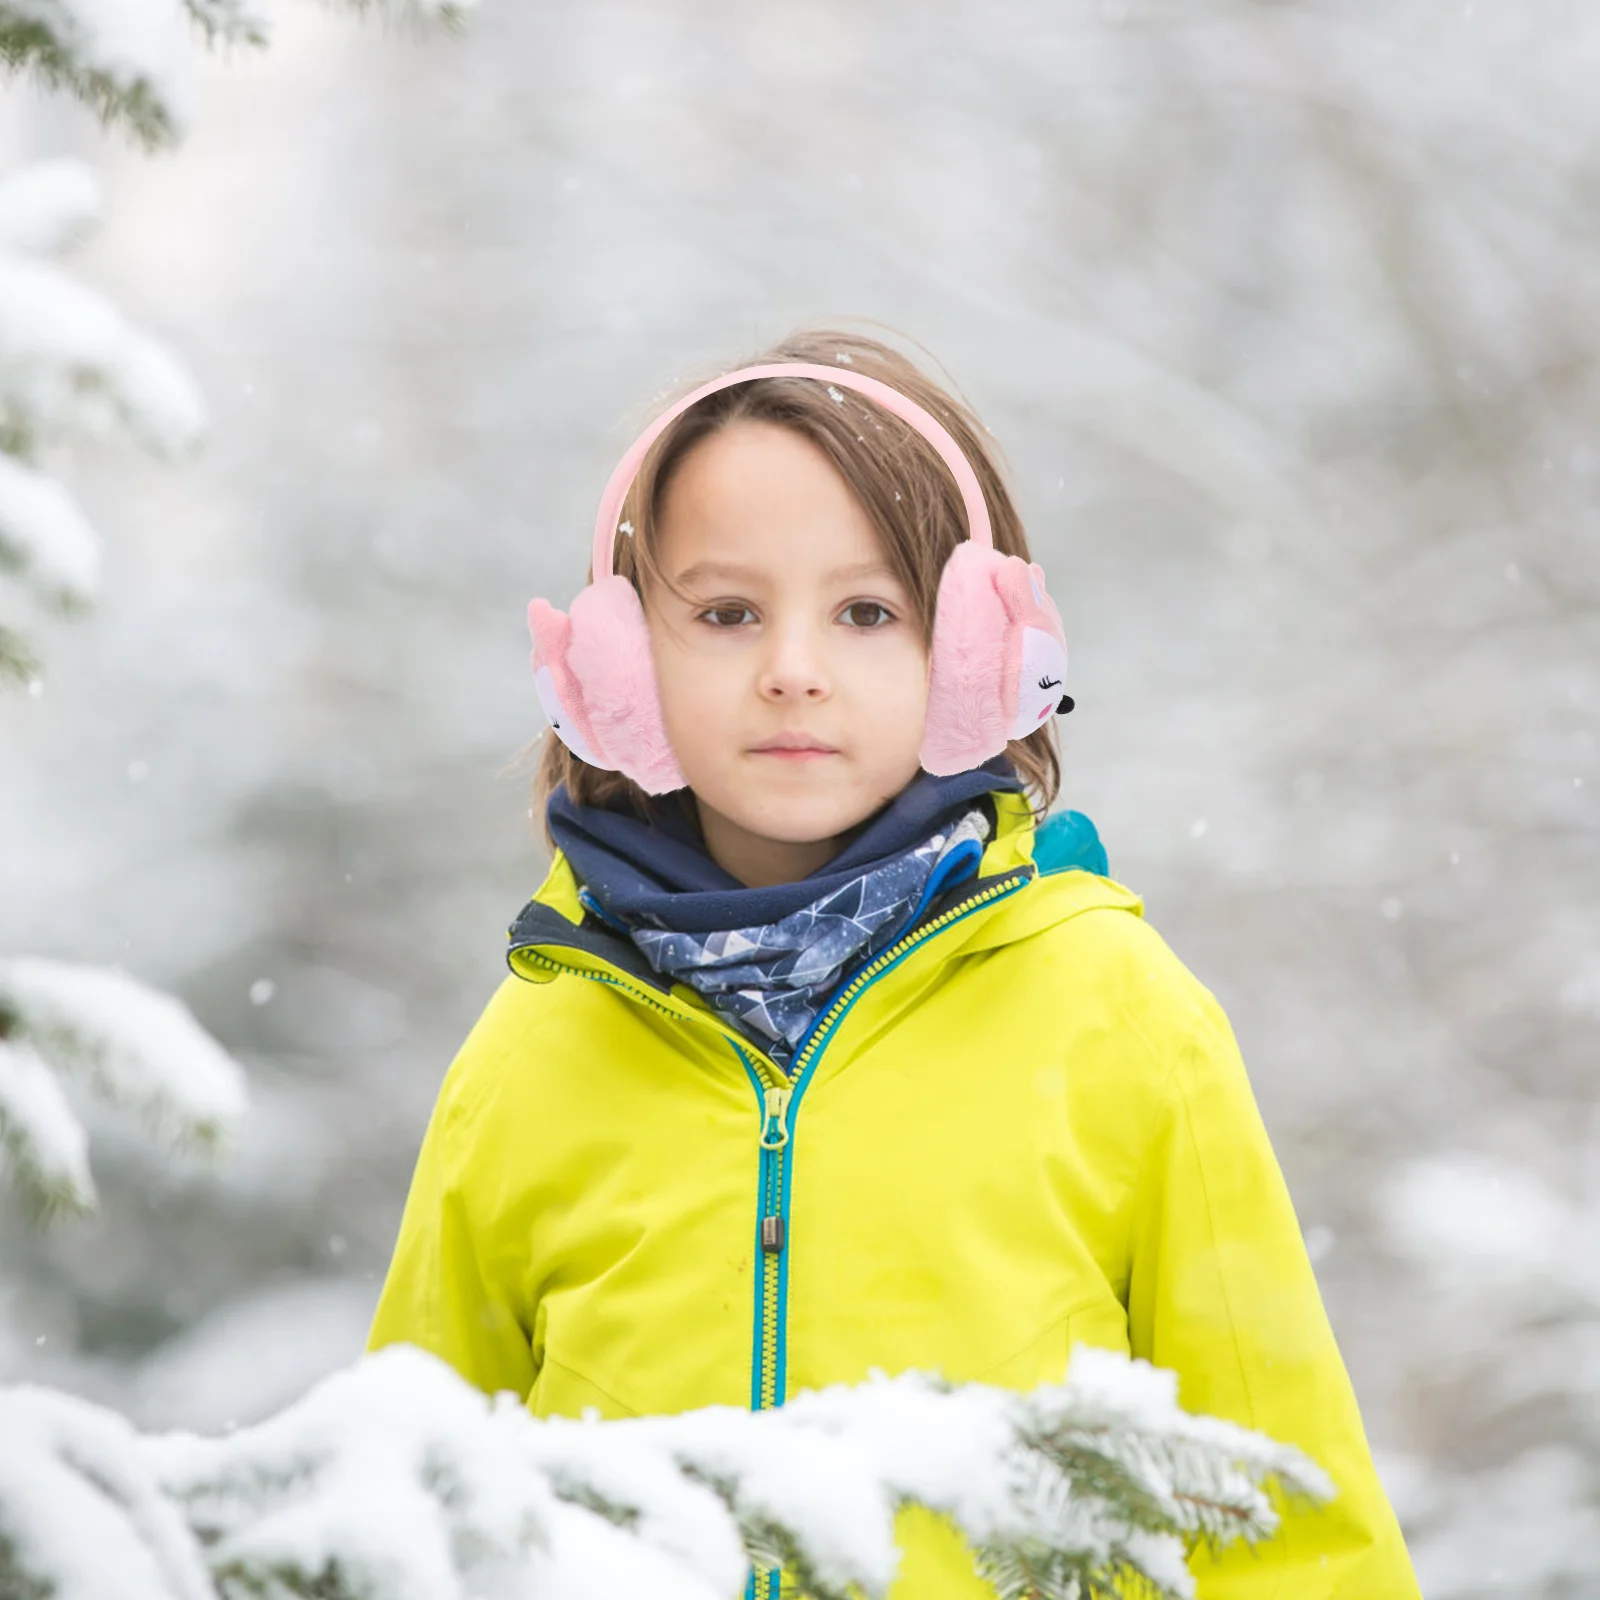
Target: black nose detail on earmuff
[1067, 703]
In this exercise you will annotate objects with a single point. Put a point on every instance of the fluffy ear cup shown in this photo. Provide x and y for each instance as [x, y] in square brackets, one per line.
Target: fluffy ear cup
[967, 720]
[999, 658]
[597, 683]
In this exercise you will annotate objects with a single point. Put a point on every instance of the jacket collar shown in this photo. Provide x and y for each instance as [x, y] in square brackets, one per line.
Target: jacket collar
[657, 873]
[555, 920]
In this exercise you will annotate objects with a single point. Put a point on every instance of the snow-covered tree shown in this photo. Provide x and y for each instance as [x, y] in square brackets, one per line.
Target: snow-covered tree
[131, 60]
[394, 1480]
[1511, 1261]
[71, 367]
[135, 1048]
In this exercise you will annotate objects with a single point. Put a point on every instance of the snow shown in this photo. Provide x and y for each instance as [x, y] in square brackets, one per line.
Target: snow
[410, 1483]
[48, 207]
[1533, 1519]
[235, 21]
[830, 1467]
[135, 44]
[45, 538]
[392, 1469]
[141, 53]
[82, 1505]
[140, 1049]
[419, 11]
[38, 1132]
[1509, 1263]
[253, 1356]
[683, 1519]
[1472, 1215]
[70, 362]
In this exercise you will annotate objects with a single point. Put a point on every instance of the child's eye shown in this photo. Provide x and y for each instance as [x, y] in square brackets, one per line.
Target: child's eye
[869, 606]
[726, 616]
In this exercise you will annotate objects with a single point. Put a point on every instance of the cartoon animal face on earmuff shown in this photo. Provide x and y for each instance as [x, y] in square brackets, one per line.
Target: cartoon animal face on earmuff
[1043, 669]
[999, 656]
[559, 718]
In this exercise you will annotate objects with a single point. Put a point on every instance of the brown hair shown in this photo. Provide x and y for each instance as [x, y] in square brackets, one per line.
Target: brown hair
[894, 472]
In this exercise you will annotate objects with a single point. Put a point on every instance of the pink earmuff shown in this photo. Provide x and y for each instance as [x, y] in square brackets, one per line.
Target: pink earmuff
[999, 658]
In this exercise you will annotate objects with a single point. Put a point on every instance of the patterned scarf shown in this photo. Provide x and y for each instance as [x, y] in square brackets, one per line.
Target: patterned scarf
[771, 979]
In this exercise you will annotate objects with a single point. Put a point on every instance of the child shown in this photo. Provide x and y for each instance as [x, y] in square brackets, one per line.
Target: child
[812, 1060]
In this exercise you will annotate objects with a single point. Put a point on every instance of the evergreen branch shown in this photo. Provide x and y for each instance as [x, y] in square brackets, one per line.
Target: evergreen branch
[396, 1479]
[17, 1582]
[48, 206]
[230, 21]
[138, 1049]
[415, 14]
[29, 43]
[42, 1148]
[46, 1196]
[71, 364]
[45, 540]
[244, 1580]
[18, 662]
[135, 1048]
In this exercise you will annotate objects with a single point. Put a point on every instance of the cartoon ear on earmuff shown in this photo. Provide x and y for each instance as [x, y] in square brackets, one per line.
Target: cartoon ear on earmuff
[999, 657]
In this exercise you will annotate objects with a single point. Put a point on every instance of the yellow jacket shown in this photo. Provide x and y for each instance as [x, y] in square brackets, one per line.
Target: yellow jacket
[1026, 1125]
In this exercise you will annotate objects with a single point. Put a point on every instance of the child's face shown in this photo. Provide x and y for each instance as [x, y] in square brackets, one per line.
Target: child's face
[796, 626]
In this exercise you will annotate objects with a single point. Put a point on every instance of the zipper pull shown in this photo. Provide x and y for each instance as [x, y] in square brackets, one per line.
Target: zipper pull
[774, 1135]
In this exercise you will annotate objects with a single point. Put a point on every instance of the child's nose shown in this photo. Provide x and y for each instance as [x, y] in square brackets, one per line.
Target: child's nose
[795, 667]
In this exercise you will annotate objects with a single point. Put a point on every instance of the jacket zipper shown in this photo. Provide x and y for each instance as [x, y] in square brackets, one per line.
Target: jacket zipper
[781, 1103]
[778, 1095]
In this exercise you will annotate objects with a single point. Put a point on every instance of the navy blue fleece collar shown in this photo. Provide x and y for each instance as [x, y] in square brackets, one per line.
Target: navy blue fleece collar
[658, 872]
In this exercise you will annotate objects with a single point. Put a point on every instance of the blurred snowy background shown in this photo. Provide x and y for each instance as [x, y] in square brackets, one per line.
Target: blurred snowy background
[1287, 317]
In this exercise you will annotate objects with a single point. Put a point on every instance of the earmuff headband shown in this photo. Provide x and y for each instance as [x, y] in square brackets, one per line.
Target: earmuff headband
[931, 429]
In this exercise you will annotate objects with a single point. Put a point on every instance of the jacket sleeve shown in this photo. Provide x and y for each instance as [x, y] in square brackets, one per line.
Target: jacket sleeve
[447, 1289]
[1221, 1291]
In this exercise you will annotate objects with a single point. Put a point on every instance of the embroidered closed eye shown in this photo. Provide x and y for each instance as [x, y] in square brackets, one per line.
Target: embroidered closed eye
[1048, 683]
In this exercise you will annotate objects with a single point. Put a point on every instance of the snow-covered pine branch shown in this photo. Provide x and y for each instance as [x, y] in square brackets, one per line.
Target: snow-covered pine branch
[70, 365]
[231, 21]
[1511, 1261]
[450, 13]
[394, 1480]
[132, 61]
[132, 1047]
[69, 362]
